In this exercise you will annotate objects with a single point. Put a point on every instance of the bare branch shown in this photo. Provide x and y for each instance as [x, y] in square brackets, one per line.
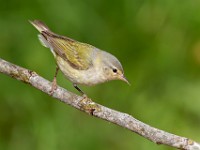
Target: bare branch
[87, 105]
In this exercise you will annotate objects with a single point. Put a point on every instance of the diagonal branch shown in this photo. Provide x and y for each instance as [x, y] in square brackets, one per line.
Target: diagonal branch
[87, 105]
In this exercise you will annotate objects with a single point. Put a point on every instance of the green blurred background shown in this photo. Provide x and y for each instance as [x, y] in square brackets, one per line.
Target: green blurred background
[158, 43]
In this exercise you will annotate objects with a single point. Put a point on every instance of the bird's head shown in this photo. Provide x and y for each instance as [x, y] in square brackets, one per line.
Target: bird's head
[112, 68]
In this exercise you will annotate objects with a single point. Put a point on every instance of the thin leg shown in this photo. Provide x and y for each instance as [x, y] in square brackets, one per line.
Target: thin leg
[78, 89]
[54, 83]
[57, 69]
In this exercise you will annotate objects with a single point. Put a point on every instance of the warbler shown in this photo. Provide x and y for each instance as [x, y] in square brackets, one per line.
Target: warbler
[81, 63]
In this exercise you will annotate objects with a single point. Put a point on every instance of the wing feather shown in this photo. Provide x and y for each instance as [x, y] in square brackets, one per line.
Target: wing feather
[79, 55]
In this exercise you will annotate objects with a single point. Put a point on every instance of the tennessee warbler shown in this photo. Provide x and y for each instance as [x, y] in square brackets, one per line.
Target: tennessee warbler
[81, 63]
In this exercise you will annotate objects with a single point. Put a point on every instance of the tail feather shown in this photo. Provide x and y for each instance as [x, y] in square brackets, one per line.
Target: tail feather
[39, 25]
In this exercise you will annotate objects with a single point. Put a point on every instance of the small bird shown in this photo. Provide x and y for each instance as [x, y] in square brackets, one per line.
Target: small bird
[81, 63]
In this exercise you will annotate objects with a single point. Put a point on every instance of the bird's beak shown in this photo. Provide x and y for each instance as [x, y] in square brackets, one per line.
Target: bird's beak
[123, 78]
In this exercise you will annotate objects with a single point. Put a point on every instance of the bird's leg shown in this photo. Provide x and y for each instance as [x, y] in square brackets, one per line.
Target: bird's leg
[86, 103]
[75, 85]
[54, 82]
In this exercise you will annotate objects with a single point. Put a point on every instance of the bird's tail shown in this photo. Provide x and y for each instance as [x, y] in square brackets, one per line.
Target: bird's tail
[42, 27]
[39, 25]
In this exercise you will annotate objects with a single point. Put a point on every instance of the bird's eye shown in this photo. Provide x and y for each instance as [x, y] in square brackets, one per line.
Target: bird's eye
[115, 70]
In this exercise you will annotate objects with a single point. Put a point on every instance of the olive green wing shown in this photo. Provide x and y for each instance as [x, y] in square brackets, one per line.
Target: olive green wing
[77, 54]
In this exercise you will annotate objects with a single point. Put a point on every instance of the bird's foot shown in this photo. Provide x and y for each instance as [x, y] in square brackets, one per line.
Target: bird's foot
[54, 82]
[53, 86]
[87, 105]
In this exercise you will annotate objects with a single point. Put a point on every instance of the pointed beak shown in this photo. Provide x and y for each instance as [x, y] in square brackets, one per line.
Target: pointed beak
[123, 78]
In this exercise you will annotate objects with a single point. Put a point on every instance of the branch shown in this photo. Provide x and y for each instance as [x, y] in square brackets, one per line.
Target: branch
[87, 105]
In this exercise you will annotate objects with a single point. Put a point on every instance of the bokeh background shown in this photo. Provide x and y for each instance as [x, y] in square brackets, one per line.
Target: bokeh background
[158, 43]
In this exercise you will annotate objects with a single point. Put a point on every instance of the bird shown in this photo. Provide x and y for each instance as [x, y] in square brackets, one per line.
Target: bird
[81, 63]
